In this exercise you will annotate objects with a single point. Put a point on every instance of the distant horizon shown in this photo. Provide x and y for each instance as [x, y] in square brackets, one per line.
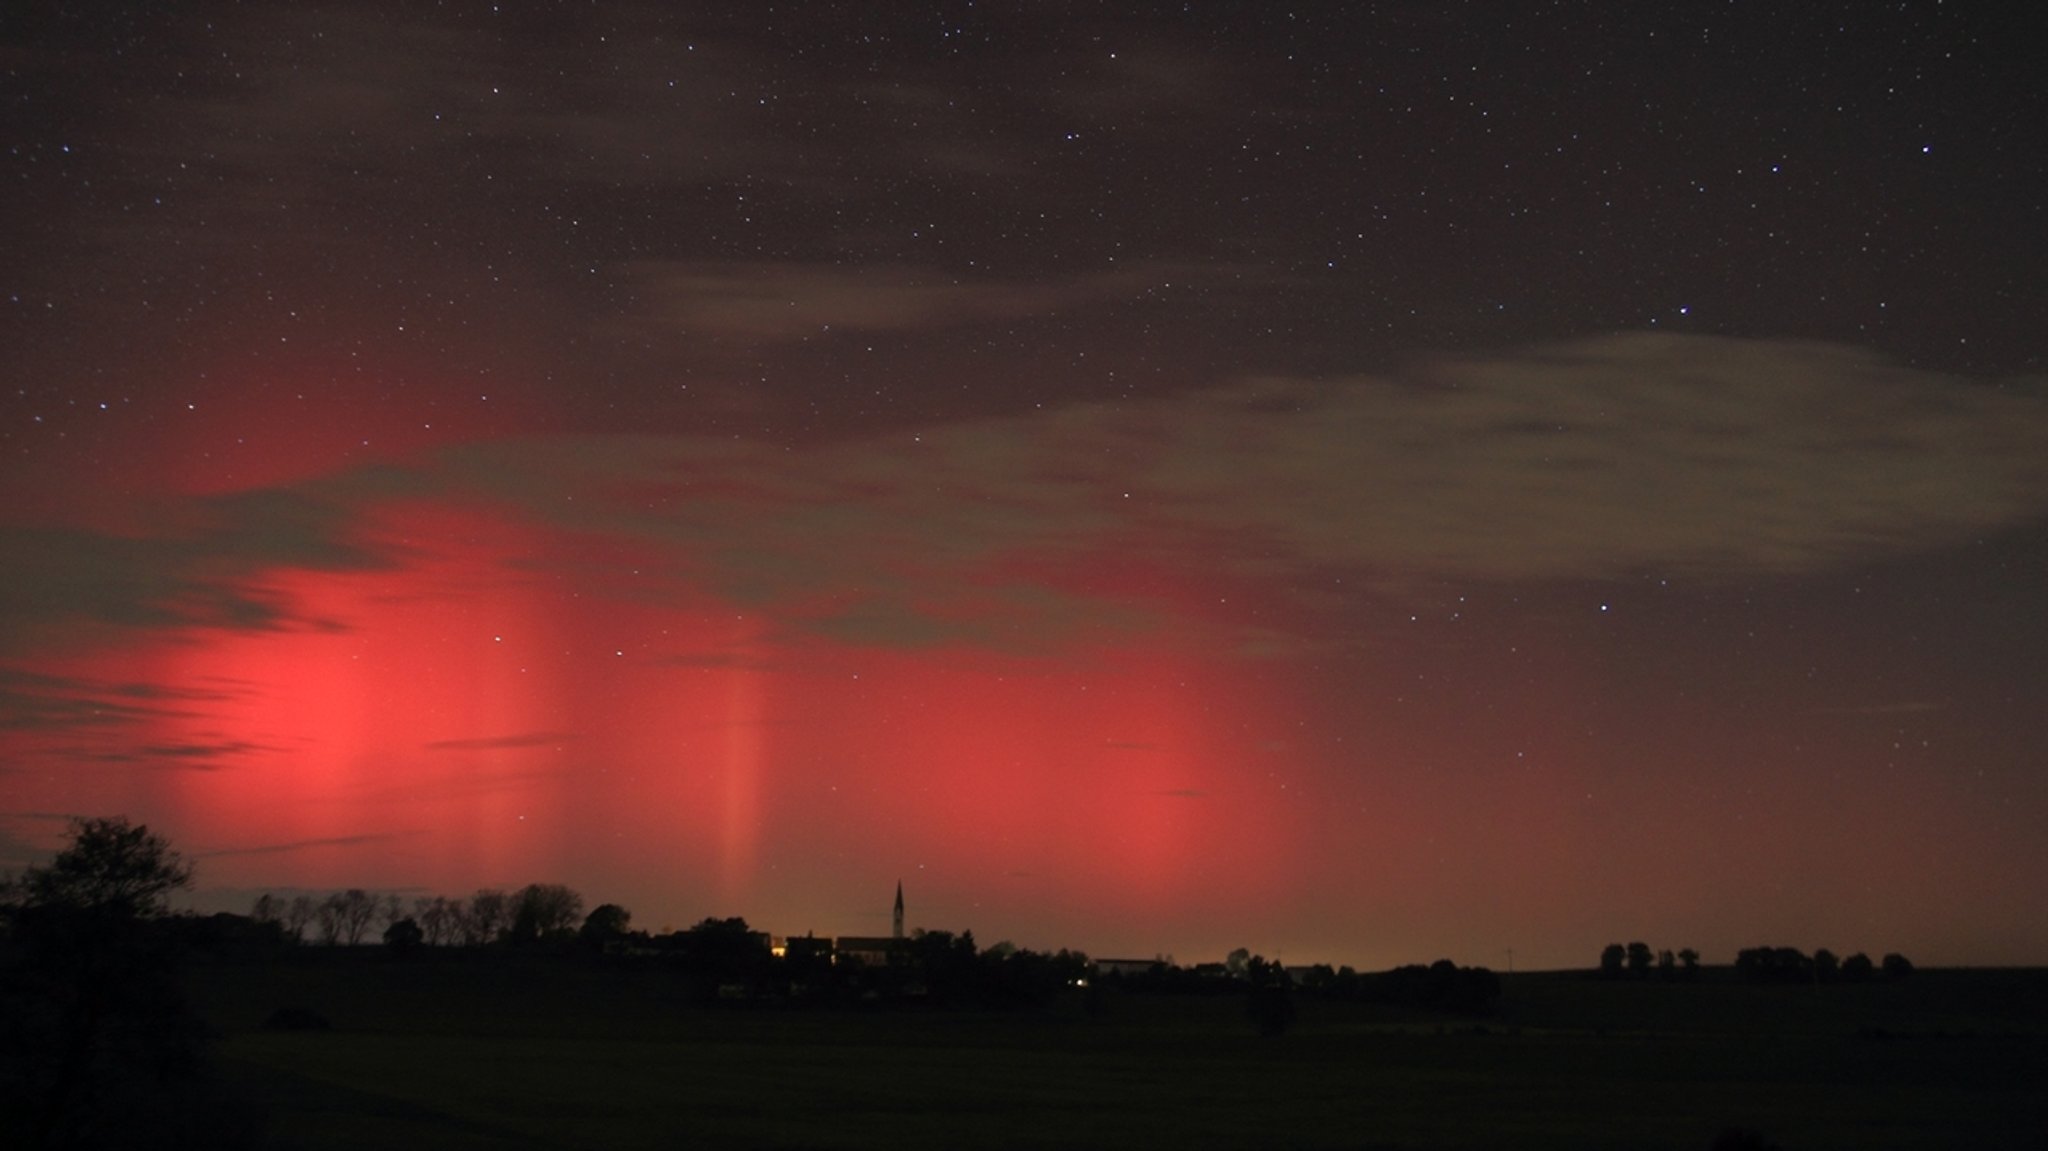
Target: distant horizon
[205, 901]
[1339, 480]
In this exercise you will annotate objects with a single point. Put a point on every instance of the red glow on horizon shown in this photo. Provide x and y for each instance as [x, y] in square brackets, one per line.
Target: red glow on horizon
[507, 702]
[486, 715]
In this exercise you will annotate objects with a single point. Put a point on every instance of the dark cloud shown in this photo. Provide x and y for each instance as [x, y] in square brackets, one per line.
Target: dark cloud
[31, 701]
[1093, 338]
[1013, 617]
[192, 756]
[772, 302]
[17, 851]
[40, 711]
[271, 109]
[306, 845]
[504, 742]
[1628, 454]
[201, 563]
[78, 719]
[1708, 457]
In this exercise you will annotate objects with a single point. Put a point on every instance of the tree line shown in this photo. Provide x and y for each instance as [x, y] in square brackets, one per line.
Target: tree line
[724, 958]
[99, 1047]
[344, 918]
[1269, 987]
[1753, 965]
[730, 960]
[1617, 961]
[1790, 965]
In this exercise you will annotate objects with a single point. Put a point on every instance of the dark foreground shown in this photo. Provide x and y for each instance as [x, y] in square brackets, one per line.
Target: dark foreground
[497, 1052]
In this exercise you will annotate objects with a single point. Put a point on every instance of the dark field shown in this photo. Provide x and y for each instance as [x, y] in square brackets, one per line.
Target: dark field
[502, 1052]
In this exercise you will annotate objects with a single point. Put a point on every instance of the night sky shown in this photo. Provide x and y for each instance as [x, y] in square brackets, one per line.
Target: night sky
[1361, 482]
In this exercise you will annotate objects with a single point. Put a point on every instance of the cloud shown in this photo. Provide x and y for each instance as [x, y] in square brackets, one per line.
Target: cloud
[791, 301]
[1709, 457]
[1599, 459]
[32, 701]
[28, 705]
[195, 756]
[17, 852]
[306, 845]
[1714, 457]
[503, 742]
[428, 111]
[203, 564]
[1010, 617]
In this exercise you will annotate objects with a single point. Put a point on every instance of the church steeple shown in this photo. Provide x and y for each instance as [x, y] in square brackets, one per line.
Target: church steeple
[898, 921]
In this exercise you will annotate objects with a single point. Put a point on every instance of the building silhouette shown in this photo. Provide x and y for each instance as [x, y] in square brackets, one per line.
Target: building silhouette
[875, 950]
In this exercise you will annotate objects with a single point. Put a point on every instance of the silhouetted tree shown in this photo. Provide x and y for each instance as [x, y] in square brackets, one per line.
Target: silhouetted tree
[299, 914]
[1263, 972]
[1691, 961]
[434, 915]
[486, 917]
[359, 909]
[1639, 959]
[606, 923]
[98, 1042]
[461, 923]
[1016, 977]
[111, 868]
[346, 915]
[1825, 966]
[1774, 965]
[1319, 978]
[1857, 968]
[540, 910]
[1667, 964]
[1895, 966]
[1441, 986]
[404, 938]
[944, 964]
[268, 909]
[724, 953]
[1346, 983]
[1613, 958]
[328, 918]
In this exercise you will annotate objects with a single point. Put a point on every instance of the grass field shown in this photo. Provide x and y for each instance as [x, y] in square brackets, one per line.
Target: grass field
[505, 1053]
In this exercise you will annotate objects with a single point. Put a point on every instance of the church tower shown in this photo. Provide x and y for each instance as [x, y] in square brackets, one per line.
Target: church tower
[897, 933]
